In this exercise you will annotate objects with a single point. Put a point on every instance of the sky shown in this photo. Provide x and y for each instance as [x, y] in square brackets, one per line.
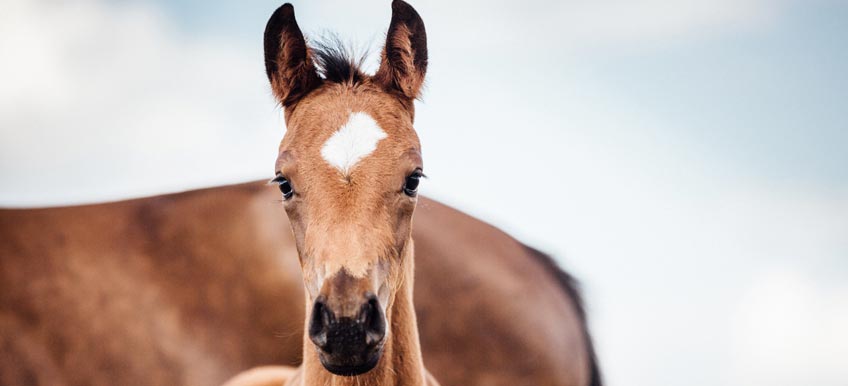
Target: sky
[686, 160]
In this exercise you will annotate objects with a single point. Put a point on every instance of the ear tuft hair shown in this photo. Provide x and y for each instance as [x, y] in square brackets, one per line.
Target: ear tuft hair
[336, 61]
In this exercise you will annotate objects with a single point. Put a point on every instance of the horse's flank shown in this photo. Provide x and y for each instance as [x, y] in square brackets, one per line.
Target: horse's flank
[192, 288]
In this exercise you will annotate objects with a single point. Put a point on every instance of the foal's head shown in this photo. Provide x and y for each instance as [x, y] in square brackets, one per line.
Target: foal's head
[348, 169]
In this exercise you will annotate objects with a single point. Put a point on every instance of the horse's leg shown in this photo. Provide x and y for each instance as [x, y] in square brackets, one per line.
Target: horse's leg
[263, 376]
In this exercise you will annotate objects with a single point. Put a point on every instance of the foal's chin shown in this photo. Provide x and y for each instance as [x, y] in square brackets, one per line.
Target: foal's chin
[349, 367]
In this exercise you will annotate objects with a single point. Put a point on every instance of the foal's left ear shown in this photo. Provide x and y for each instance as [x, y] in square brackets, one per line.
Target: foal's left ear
[404, 60]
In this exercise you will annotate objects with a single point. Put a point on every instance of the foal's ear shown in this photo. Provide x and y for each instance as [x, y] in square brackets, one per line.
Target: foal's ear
[287, 61]
[404, 60]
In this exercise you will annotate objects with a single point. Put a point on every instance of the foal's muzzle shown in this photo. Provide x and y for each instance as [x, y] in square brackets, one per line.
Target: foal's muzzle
[348, 345]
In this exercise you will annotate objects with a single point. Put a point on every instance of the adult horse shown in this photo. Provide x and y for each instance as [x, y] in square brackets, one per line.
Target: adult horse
[191, 288]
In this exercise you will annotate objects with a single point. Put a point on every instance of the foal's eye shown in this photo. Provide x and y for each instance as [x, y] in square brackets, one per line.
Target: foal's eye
[410, 187]
[285, 186]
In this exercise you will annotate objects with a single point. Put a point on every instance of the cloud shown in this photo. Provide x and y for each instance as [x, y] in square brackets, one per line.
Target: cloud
[114, 90]
[616, 21]
[789, 329]
[540, 22]
[665, 247]
[593, 25]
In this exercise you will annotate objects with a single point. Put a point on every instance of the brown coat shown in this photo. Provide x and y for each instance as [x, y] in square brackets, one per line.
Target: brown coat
[191, 288]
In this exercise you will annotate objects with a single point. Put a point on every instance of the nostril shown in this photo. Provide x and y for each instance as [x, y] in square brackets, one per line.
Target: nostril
[369, 311]
[327, 315]
[364, 314]
[320, 339]
[321, 317]
[373, 338]
[373, 321]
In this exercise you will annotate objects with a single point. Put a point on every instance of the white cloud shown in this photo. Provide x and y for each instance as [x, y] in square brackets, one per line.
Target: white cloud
[116, 90]
[789, 329]
[592, 24]
[620, 21]
[108, 100]
[515, 30]
[664, 247]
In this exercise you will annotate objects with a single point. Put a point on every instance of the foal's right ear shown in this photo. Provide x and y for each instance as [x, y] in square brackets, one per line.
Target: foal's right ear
[287, 61]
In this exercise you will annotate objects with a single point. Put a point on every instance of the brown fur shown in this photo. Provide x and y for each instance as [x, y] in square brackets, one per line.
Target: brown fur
[191, 288]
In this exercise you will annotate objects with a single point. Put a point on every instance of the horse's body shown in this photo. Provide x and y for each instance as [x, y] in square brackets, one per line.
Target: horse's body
[191, 288]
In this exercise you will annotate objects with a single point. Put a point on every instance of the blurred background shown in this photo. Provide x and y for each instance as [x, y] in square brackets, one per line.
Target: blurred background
[687, 160]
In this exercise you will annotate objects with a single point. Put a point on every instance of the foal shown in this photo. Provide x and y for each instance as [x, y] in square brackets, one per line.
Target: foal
[348, 169]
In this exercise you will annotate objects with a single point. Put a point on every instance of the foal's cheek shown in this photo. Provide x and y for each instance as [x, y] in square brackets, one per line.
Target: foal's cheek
[314, 280]
[403, 223]
[384, 281]
[298, 229]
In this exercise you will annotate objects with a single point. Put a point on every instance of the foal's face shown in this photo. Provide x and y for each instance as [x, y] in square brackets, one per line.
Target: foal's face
[348, 169]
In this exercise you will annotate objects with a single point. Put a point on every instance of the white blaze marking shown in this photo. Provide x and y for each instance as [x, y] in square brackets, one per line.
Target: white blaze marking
[354, 141]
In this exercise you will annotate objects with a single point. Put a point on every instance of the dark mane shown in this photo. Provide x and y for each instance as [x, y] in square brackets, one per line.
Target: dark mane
[336, 62]
[572, 288]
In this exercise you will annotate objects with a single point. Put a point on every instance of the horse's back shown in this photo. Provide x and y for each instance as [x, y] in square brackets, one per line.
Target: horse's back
[191, 288]
[492, 311]
[182, 289]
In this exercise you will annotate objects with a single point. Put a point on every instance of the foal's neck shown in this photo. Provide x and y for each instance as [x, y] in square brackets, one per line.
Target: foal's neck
[401, 363]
